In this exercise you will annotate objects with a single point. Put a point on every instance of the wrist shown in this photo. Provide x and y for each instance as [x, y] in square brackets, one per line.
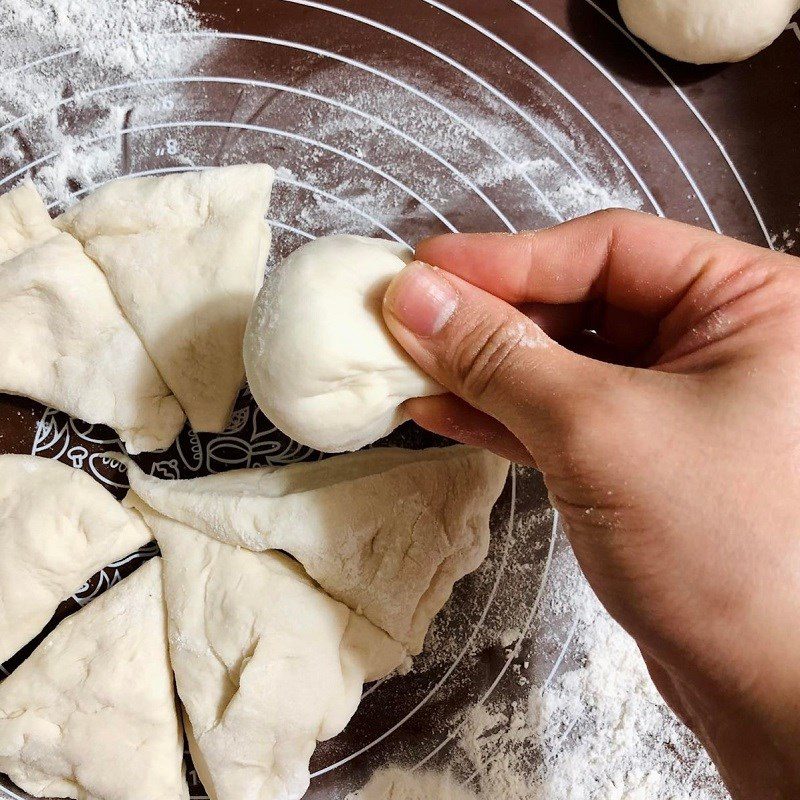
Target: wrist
[754, 744]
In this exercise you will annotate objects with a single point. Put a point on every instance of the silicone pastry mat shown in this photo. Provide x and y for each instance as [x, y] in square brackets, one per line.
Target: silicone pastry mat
[402, 119]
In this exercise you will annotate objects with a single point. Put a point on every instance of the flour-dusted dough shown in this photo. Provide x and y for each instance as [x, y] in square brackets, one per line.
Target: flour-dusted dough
[67, 345]
[184, 255]
[708, 31]
[320, 361]
[24, 221]
[57, 528]
[91, 714]
[266, 664]
[65, 340]
[386, 531]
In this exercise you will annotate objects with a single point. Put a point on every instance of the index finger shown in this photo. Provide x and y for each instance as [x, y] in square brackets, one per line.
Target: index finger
[632, 261]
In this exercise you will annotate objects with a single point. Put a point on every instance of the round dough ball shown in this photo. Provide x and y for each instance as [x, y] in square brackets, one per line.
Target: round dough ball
[708, 31]
[320, 361]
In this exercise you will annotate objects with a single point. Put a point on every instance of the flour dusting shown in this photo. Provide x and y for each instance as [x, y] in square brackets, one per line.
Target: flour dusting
[80, 46]
[399, 784]
[114, 36]
[599, 731]
[592, 727]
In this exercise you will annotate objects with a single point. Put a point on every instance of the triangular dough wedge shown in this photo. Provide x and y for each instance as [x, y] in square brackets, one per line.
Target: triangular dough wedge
[65, 340]
[184, 255]
[91, 714]
[24, 221]
[57, 528]
[386, 531]
[266, 664]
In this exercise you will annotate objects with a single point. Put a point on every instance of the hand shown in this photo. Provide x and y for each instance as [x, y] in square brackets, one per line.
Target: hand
[673, 454]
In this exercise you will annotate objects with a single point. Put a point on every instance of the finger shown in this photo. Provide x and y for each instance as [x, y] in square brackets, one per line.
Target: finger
[633, 261]
[490, 354]
[450, 416]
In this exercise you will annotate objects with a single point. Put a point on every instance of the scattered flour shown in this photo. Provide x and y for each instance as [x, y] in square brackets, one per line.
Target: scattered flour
[399, 784]
[81, 46]
[597, 731]
[786, 240]
[116, 37]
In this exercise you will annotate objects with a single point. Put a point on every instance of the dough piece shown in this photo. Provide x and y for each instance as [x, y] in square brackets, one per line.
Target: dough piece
[386, 531]
[184, 255]
[65, 341]
[57, 528]
[91, 714]
[265, 663]
[320, 361]
[708, 31]
[24, 221]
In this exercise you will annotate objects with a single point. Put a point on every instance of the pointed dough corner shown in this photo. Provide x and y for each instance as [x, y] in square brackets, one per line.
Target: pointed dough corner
[266, 664]
[184, 255]
[386, 531]
[57, 528]
[24, 221]
[65, 341]
[91, 714]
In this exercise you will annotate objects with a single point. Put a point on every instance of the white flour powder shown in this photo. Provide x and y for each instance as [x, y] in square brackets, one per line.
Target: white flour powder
[598, 731]
[399, 784]
[115, 36]
[80, 45]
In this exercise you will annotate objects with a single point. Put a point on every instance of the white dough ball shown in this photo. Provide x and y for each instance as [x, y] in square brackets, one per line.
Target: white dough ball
[320, 361]
[708, 31]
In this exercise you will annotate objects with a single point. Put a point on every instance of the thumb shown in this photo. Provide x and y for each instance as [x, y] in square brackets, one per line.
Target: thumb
[488, 353]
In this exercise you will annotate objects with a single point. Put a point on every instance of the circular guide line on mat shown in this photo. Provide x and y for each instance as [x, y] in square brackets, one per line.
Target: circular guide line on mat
[696, 113]
[619, 87]
[83, 96]
[260, 129]
[304, 186]
[499, 95]
[464, 650]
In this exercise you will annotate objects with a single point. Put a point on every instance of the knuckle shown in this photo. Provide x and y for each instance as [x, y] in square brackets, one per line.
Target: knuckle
[485, 353]
[614, 217]
[587, 431]
[609, 223]
[576, 431]
[605, 427]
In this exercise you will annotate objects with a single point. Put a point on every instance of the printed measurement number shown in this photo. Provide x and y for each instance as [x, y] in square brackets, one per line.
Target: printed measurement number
[170, 148]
